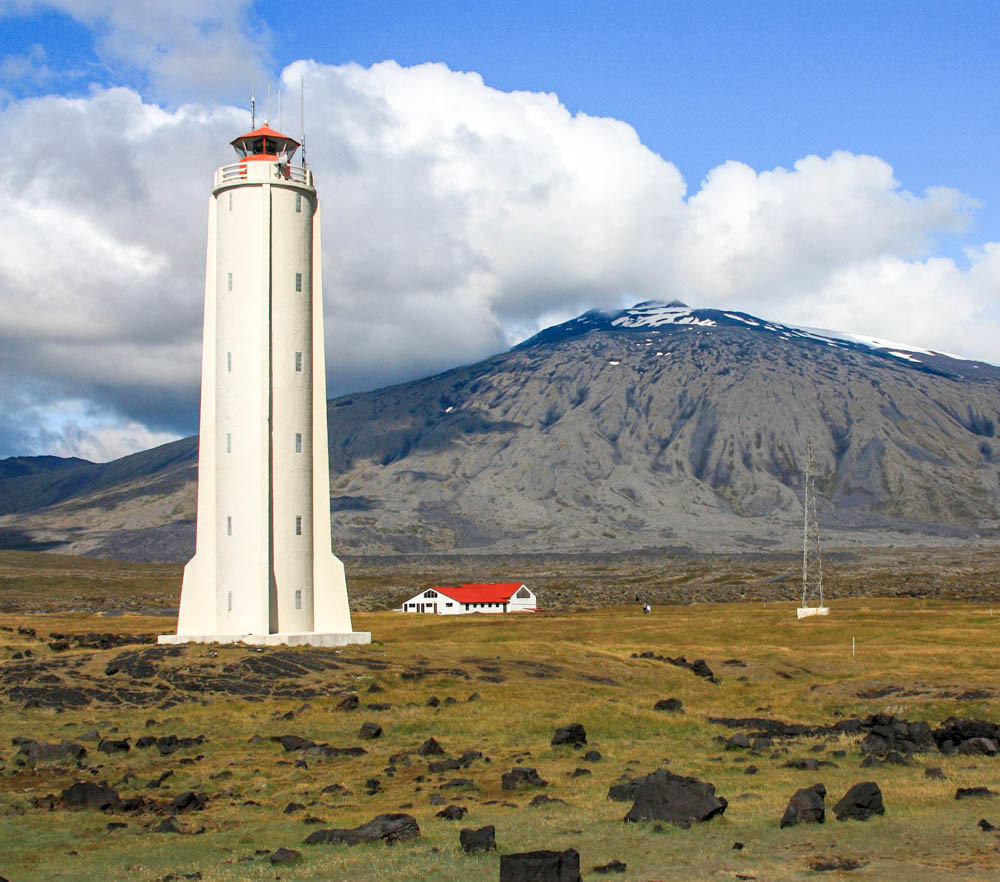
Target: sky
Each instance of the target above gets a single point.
(485, 170)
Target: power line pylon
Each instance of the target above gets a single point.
(812, 557)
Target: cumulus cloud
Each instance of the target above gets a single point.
(183, 49)
(457, 219)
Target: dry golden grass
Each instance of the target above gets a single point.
(557, 668)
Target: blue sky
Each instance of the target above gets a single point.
(823, 164)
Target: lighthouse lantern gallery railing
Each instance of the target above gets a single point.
(263, 171)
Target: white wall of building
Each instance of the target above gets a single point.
(436, 602)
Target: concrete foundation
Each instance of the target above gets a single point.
(804, 611)
(306, 638)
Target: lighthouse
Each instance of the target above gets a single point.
(264, 571)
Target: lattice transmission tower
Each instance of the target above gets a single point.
(812, 558)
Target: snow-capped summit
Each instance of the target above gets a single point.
(676, 316)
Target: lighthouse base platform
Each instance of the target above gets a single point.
(305, 638)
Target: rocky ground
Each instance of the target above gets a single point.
(702, 741)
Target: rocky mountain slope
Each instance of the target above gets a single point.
(651, 427)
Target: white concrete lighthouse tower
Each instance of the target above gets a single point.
(263, 570)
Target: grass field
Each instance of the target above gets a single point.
(532, 674)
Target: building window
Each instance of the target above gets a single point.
(298, 281)
(298, 600)
(448, 603)
(298, 202)
(298, 442)
(229, 281)
(229, 361)
(229, 601)
(229, 442)
(298, 525)
(298, 362)
(430, 593)
(229, 525)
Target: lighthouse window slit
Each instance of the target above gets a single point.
(229, 601)
(230, 200)
(229, 281)
(298, 442)
(298, 362)
(229, 525)
(229, 361)
(298, 525)
(298, 202)
(298, 281)
(298, 599)
(229, 442)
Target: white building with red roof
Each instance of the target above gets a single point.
(502, 597)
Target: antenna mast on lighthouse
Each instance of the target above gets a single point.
(253, 103)
(302, 119)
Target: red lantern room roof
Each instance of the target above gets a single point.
(264, 143)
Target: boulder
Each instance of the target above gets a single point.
(390, 828)
(541, 866)
(285, 856)
(739, 741)
(370, 730)
(860, 802)
(573, 734)
(806, 807)
(473, 841)
(167, 825)
(430, 748)
(169, 744)
(592, 756)
(670, 705)
(954, 731)
(87, 794)
(189, 801)
(968, 792)
(612, 867)
(348, 704)
(701, 668)
(978, 747)
(110, 745)
(520, 777)
(664, 796)
(39, 751)
(886, 733)
(452, 813)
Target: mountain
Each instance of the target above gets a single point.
(18, 466)
(655, 426)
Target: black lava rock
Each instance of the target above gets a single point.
(860, 802)
(806, 807)
(541, 866)
(473, 841)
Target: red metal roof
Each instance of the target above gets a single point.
(497, 593)
(265, 131)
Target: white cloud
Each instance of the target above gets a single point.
(184, 49)
(456, 218)
(76, 428)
